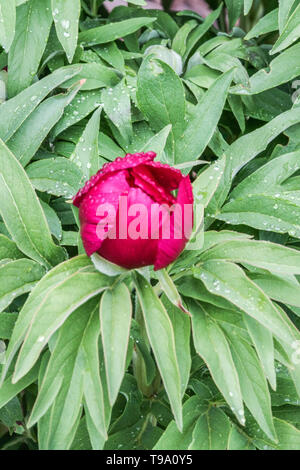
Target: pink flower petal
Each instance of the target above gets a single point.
(144, 179)
(129, 161)
(169, 248)
(91, 242)
(90, 218)
(132, 253)
(116, 182)
(165, 175)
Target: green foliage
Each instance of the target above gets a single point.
(204, 355)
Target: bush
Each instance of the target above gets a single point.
(204, 354)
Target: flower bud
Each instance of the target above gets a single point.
(130, 215)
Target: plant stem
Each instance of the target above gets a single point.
(94, 7)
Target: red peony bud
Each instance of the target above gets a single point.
(129, 215)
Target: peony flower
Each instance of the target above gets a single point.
(130, 215)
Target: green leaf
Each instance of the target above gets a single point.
(207, 182)
(230, 282)
(111, 32)
(264, 345)
(203, 120)
(244, 149)
(211, 432)
(161, 336)
(290, 32)
(270, 256)
(160, 96)
(94, 401)
(72, 373)
(279, 213)
(167, 285)
(112, 55)
(143, 361)
(226, 316)
(247, 6)
(211, 344)
(11, 413)
(196, 240)
(182, 331)
(252, 380)
(267, 24)
(266, 105)
(78, 109)
(164, 22)
(44, 424)
(157, 143)
(285, 7)
(16, 278)
(194, 288)
(271, 177)
(201, 75)
(81, 440)
(212, 238)
(65, 298)
(201, 30)
(282, 69)
(28, 138)
(164, 83)
(53, 220)
(115, 319)
(142, 435)
(23, 214)
(236, 105)
(247, 147)
(57, 176)
(225, 62)
(69, 238)
(9, 390)
(86, 155)
(108, 148)
(166, 55)
(16, 110)
(180, 39)
(7, 323)
(285, 393)
(66, 17)
(33, 24)
(130, 413)
(9, 249)
(288, 437)
(239, 441)
(235, 8)
(116, 102)
(289, 355)
(51, 284)
(7, 23)
(172, 438)
(97, 439)
(44, 429)
(284, 290)
(287, 413)
(106, 267)
(94, 76)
